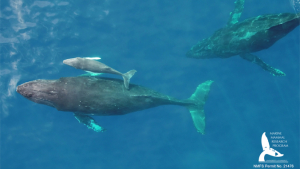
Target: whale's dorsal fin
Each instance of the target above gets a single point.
(237, 12)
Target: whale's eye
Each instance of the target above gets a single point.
(28, 95)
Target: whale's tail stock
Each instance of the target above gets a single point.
(199, 98)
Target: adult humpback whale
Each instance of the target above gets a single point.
(85, 96)
(243, 38)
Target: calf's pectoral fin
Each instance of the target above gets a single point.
(89, 73)
(259, 62)
(89, 122)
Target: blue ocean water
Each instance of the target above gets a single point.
(151, 37)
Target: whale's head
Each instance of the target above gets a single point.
(74, 62)
(202, 50)
(39, 91)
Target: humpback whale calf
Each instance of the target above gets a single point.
(86, 96)
(243, 38)
(98, 67)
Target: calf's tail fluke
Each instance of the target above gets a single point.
(127, 76)
(199, 98)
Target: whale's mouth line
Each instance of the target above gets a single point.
(43, 101)
(37, 96)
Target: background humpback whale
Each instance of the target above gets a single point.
(85, 96)
(243, 38)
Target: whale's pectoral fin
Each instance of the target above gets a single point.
(89, 73)
(259, 62)
(237, 12)
(89, 122)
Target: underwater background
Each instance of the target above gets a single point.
(151, 36)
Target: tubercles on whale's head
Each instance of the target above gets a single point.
(74, 62)
(39, 91)
(202, 50)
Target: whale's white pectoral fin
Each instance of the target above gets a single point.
(88, 73)
(259, 62)
(236, 14)
(89, 122)
(92, 58)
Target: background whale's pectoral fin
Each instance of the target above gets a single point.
(89, 122)
(237, 12)
(259, 62)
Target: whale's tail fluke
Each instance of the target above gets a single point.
(199, 98)
(127, 76)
